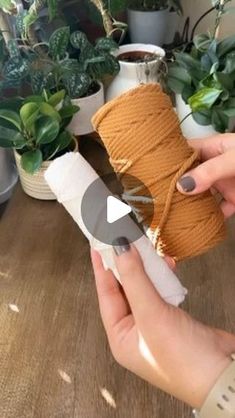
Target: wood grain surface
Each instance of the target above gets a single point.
(54, 357)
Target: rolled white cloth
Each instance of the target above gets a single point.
(69, 177)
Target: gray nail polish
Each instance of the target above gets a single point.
(121, 245)
(187, 183)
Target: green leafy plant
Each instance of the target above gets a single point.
(37, 130)
(205, 78)
(148, 5)
(77, 75)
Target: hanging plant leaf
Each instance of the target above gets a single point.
(31, 161)
(204, 99)
(46, 130)
(58, 42)
(224, 80)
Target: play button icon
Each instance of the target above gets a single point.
(116, 209)
(107, 210)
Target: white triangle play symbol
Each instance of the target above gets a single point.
(116, 209)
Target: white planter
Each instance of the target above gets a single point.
(190, 128)
(148, 27)
(8, 175)
(173, 22)
(133, 74)
(81, 122)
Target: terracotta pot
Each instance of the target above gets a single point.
(35, 185)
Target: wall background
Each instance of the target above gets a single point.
(195, 8)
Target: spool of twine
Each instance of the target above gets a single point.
(142, 135)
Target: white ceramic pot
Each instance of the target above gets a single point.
(190, 128)
(8, 175)
(133, 74)
(173, 22)
(81, 122)
(149, 27)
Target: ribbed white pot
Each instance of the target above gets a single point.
(133, 74)
(81, 122)
(8, 175)
(190, 128)
(148, 27)
(35, 185)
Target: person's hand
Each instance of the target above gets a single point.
(158, 342)
(217, 170)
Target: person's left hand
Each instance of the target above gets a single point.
(158, 342)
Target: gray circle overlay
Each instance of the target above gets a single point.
(94, 209)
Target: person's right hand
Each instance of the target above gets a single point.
(217, 170)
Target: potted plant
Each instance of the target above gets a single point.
(74, 64)
(204, 80)
(148, 20)
(37, 133)
(139, 64)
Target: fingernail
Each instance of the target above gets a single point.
(187, 183)
(121, 245)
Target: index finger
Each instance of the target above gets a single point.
(214, 145)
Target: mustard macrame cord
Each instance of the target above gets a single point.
(142, 135)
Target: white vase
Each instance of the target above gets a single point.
(81, 122)
(132, 74)
(8, 175)
(190, 128)
(149, 27)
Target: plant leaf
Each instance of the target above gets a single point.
(219, 121)
(203, 118)
(202, 42)
(79, 40)
(11, 117)
(226, 45)
(58, 42)
(11, 138)
(29, 113)
(31, 161)
(68, 111)
(57, 98)
(106, 44)
(47, 110)
(224, 79)
(204, 99)
(46, 130)
(178, 78)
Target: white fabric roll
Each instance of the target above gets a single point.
(69, 177)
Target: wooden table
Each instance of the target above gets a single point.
(54, 357)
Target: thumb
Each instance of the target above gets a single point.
(207, 174)
(140, 292)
